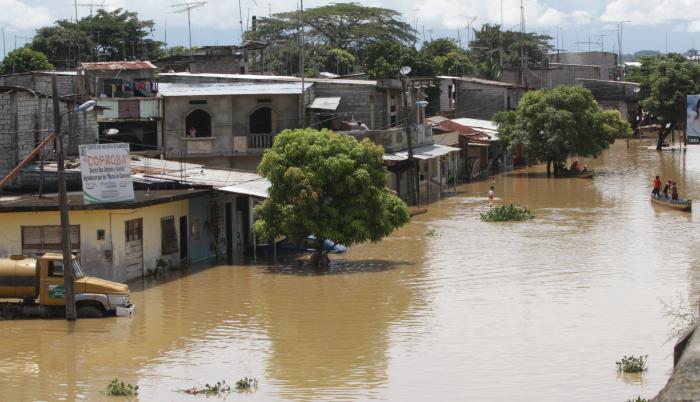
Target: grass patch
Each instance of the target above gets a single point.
(632, 364)
(119, 388)
(247, 385)
(220, 388)
(507, 213)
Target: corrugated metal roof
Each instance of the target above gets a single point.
(479, 81)
(119, 65)
(256, 188)
(189, 173)
(476, 123)
(423, 152)
(233, 88)
(330, 103)
(285, 78)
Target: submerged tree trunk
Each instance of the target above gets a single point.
(556, 168)
(663, 134)
(549, 164)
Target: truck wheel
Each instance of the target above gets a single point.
(90, 312)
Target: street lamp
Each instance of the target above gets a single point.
(63, 199)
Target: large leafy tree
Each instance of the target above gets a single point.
(665, 81)
(552, 124)
(447, 58)
(24, 59)
(385, 58)
(329, 185)
(492, 47)
(104, 36)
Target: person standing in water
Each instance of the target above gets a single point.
(492, 193)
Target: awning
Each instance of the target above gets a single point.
(423, 152)
(256, 188)
(478, 144)
(325, 103)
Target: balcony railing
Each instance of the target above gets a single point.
(260, 141)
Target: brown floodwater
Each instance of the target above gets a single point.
(447, 308)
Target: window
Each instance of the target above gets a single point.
(168, 235)
(134, 230)
(261, 121)
(56, 269)
(198, 124)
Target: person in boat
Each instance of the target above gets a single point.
(674, 191)
(667, 188)
(657, 187)
(574, 167)
(585, 169)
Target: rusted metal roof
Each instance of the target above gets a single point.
(119, 65)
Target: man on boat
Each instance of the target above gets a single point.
(657, 187)
(667, 187)
(574, 167)
(674, 192)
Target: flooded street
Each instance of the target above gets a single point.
(447, 308)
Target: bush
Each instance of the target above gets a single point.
(246, 384)
(119, 388)
(638, 399)
(507, 213)
(217, 389)
(632, 364)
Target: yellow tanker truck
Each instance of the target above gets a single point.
(34, 287)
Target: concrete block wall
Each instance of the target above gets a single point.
(479, 101)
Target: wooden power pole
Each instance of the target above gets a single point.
(63, 207)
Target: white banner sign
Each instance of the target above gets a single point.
(106, 171)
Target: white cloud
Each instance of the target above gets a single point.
(18, 15)
(654, 12)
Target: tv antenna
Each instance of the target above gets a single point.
(91, 5)
(185, 8)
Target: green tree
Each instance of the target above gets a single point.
(339, 61)
(552, 124)
(105, 36)
(446, 57)
(492, 45)
(329, 185)
(665, 81)
(23, 59)
(385, 58)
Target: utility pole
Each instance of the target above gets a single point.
(523, 59)
(63, 207)
(185, 8)
(413, 194)
(302, 67)
(75, 3)
(240, 18)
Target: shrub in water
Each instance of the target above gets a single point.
(638, 399)
(217, 389)
(246, 384)
(119, 388)
(507, 213)
(632, 364)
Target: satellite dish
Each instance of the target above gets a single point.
(110, 131)
(405, 70)
(636, 90)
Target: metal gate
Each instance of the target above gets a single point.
(134, 248)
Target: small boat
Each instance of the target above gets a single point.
(678, 205)
(580, 175)
(417, 211)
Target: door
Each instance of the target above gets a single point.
(134, 248)
(229, 232)
(53, 291)
(183, 239)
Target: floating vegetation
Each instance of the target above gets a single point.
(632, 364)
(431, 233)
(247, 385)
(220, 388)
(119, 388)
(638, 399)
(507, 213)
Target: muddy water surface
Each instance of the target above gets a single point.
(447, 308)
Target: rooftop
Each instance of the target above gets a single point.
(252, 77)
(478, 81)
(49, 202)
(118, 65)
(233, 88)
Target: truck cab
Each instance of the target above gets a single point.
(40, 285)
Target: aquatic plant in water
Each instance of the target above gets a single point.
(632, 364)
(638, 399)
(119, 388)
(507, 213)
(246, 384)
(219, 388)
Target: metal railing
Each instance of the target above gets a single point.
(260, 141)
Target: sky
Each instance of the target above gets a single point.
(576, 25)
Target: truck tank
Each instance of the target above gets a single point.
(18, 278)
